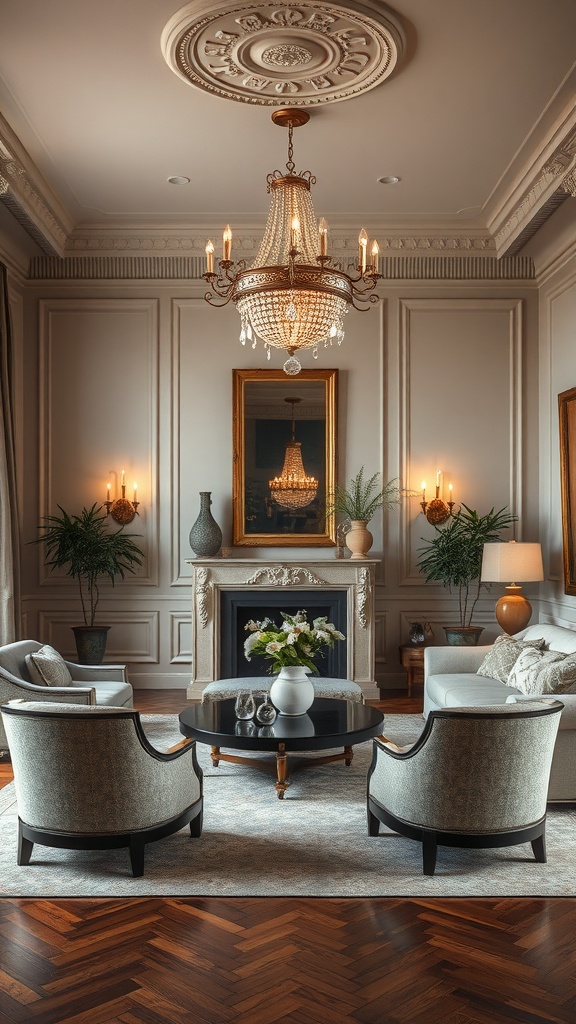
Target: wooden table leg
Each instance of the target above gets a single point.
(281, 770)
(348, 755)
(215, 755)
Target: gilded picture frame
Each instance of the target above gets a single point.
(567, 423)
(266, 405)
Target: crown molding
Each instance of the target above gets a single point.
(534, 186)
(415, 266)
(28, 197)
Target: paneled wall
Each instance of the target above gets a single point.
(138, 375)
(557, 305)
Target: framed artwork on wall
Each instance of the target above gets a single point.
(284, 458)
(567, 413)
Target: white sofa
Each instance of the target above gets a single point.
(451, 681)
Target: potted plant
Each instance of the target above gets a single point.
(290, 649)
(89, 551)
(453, 557)
(357, 503)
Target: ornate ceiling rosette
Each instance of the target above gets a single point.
(266, 53)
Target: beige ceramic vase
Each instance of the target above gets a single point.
(359, 539)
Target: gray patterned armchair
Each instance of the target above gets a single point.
(476, 777)
(90, 684)
(87, 778)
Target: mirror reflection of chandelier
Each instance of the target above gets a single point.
(293, 296)
(293, 489)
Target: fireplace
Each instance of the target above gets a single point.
(342, 589)
(237, 607)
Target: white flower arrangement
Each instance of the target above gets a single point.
(294, 642)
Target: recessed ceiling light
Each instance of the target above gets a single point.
(389, 179)
(179, 179)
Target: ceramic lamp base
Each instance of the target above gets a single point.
(513, 610)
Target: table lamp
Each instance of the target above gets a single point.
(519, 562)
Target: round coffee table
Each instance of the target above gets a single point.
(329, 723)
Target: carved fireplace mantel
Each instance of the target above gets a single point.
(211, 576)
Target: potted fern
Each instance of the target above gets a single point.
(357, 503)
(89, 552)
(453, 557)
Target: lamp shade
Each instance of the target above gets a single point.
(512, 562)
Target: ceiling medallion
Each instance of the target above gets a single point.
(311, 52)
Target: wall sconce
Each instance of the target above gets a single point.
(122, 509)
(436, 511)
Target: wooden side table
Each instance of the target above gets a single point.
(412, 659)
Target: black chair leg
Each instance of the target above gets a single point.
(196, 826)
(429, 847)
(539, 848)
(25, 847)
(136, 847)
(373, 824)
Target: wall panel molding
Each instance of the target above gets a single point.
(52, 315)
(459, 375)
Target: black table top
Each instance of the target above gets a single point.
(328, 723)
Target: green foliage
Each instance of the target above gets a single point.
(454, 556)
(88, 551)
(362, 498)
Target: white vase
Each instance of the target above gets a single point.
(359, 539)
(292, 692)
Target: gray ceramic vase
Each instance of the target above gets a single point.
(205, 535)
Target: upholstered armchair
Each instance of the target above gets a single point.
(87, 778)
(476, 777)
(84, 684)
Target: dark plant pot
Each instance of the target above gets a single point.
(463, 636)
(90, 643)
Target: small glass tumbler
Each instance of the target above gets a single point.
(245, 705)
(266, 712)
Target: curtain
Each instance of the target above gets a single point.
(9, 532)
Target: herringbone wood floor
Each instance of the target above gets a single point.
(306, 961)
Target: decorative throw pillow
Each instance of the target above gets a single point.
(48, 668)
(538, 672)
(501, 658)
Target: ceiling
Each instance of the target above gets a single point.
(480, 105)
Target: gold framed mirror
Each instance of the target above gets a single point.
(284, 458)
(567, 413)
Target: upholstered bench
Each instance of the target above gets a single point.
(340, 689)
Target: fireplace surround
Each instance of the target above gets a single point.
(343, 586)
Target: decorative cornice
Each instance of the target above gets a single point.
(25, 197)
(541, 191)
(193, 244)
(449, 267)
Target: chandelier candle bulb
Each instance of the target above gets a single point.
(423, 490)
(323, 232)
(123, 479)
(227, 242)
(135, 493)
(362, 247)
(210, 257)
(375, 255)
(294, 228)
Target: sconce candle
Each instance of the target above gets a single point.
(437, 510)
(122, 509)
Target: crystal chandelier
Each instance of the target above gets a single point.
(294, 295)
(293, 489)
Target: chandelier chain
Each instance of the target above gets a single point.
(290, 165)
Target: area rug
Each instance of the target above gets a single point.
(312, 843)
